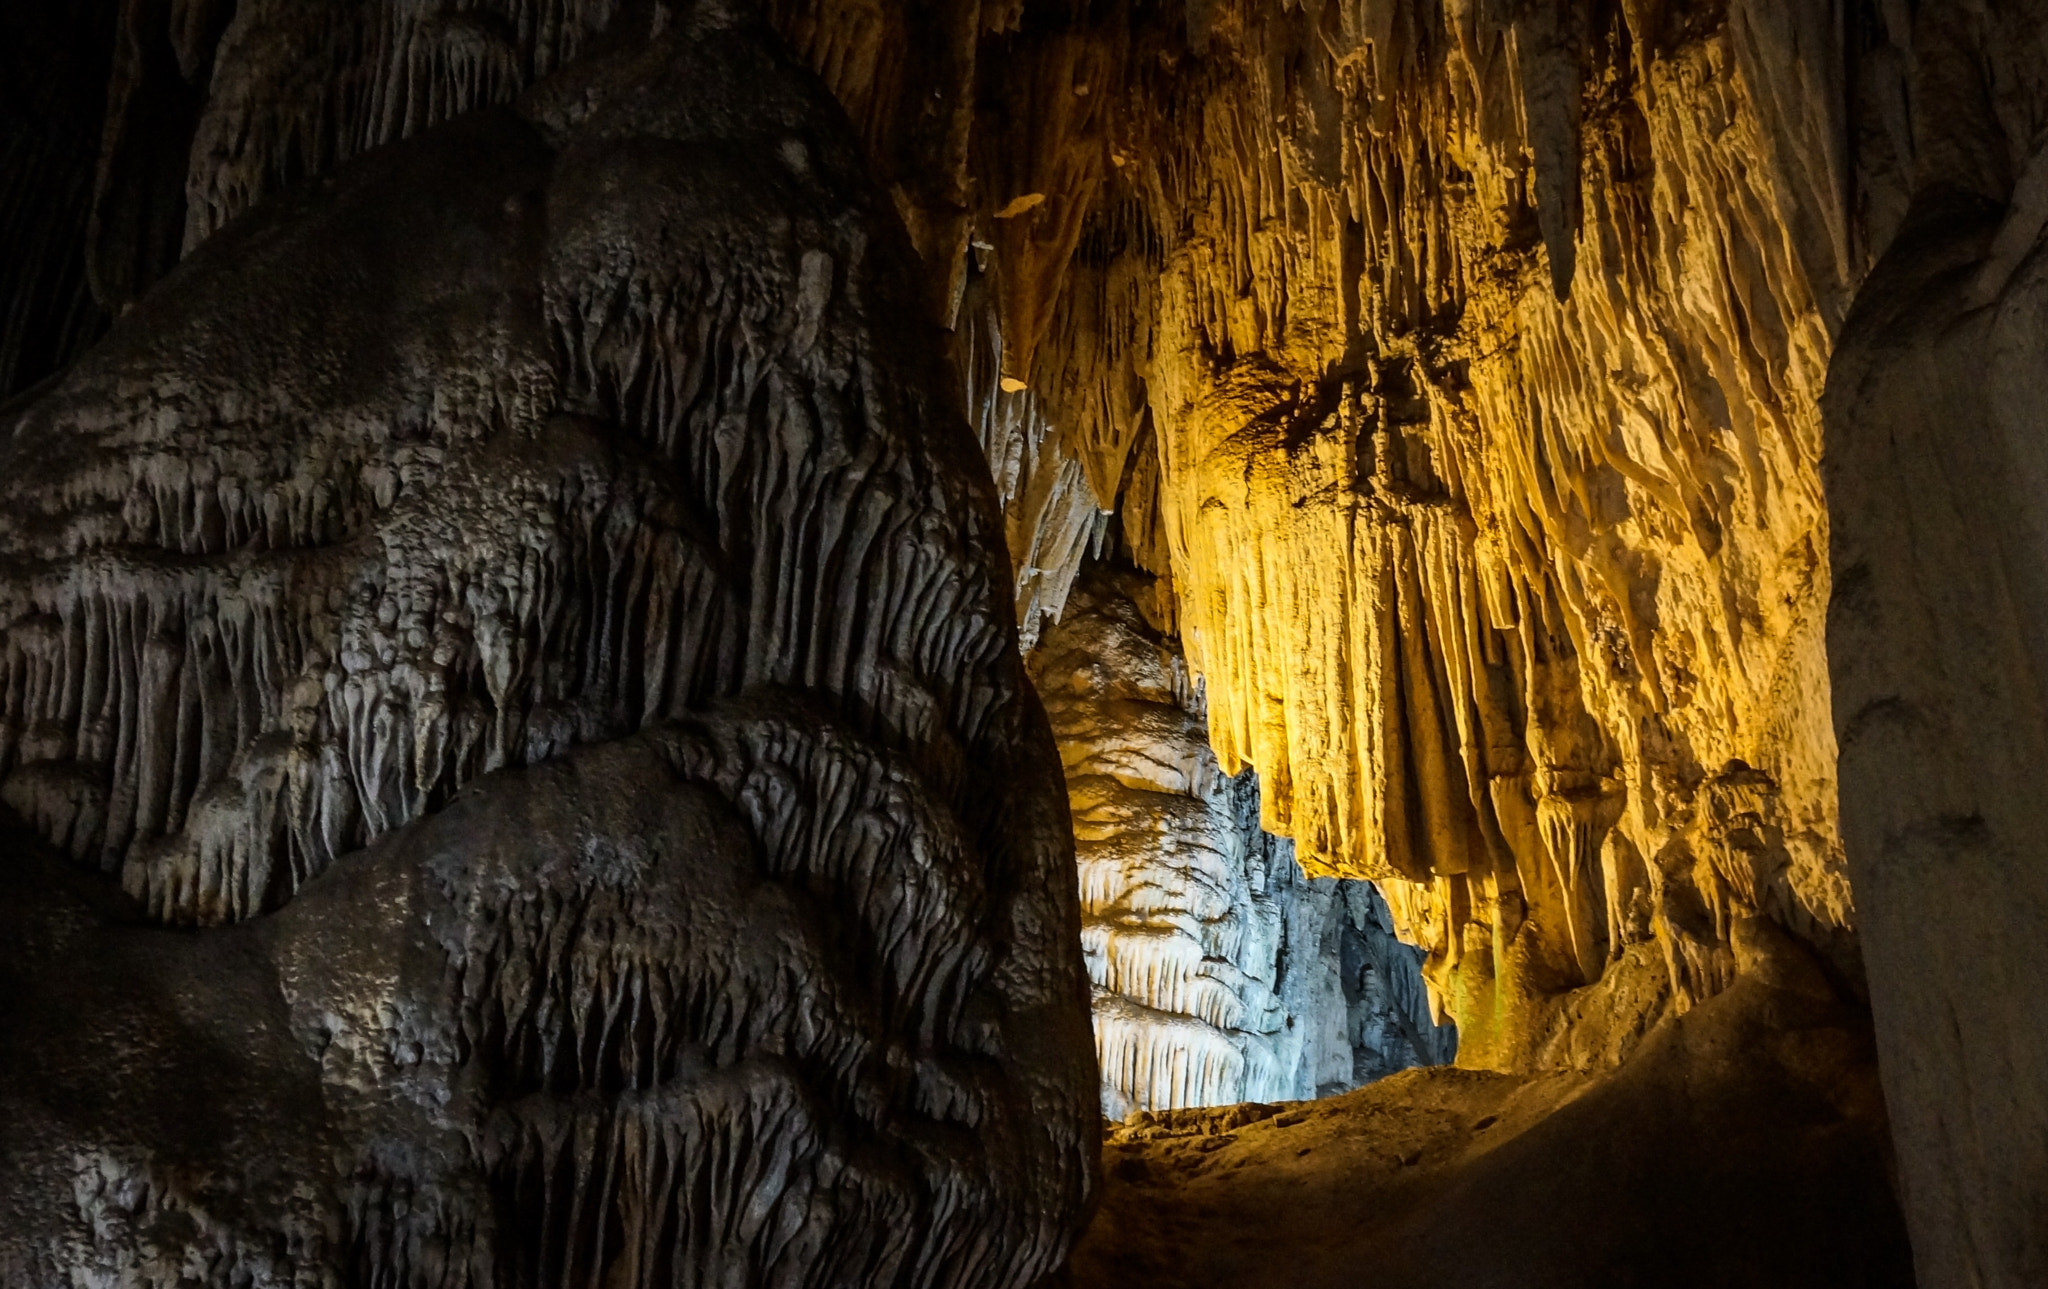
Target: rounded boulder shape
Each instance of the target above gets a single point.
(518, 767)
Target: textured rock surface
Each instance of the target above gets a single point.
(1743, 1146)
(542, 570)
(1459, 362)
(1481, 348)
(1221, 973)
(1514, 601)
(1936, 634)
(1051, 518)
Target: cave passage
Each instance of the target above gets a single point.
(1023, 644)
(1220, 972)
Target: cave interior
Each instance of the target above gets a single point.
(1030, 644)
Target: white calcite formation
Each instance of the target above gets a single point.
(528, 611)
(1221, 973)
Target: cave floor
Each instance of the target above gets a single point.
(1745, 1144)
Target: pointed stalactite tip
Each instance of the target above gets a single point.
(1563, 254)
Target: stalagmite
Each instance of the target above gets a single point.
(535, 586)
(478, 472)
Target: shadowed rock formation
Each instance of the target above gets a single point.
(55, 61)
(1935, 635)
(536, 583)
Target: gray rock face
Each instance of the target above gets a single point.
(1355, 1003)
(1936, 645)
(1221, 973)
(529, 603)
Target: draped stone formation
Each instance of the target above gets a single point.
(1481, 349)
(1478, 352)
(530, 601)
(1221, 973)
(1050, 515)
(1584, 450)
(1487, 473)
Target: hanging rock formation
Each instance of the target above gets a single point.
(1221, 973)
(1487, 474)
(1050, 515)
(1585, 448)
(534, 585)
(1479, 352)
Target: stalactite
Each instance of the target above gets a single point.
(1051, 514)
(1480, 359)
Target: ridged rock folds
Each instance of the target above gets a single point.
(535, 586)
(1221, 974)
(1480, 356)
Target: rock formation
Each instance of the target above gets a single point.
(1480, 351)
(1585, 451)
(1935, 642)
(1504, 567)
(531, 600)
(1221, 973)
(1731, 1150)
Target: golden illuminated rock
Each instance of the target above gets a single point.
(1485, 464)
(1454, 367)
(1481, 348)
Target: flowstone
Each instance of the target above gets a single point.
(528, 607)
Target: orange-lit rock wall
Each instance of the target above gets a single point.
(1482, 343)
(1515, 601)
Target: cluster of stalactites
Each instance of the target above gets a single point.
(1051, 515)
(1479, 352)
